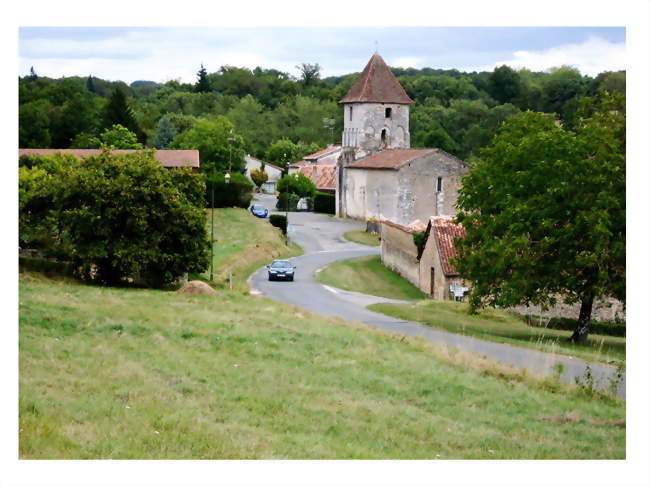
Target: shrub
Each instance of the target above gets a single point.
(259, 177)
(282, 202)
(237, 193)
(123, 216)
(297, 184)
(279, 221)
(418, 240)
(325, 203)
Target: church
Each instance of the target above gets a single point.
(379, 175)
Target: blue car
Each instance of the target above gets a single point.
(281, 269)
(259, 211)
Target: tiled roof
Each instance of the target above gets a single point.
(298, 164)
(389, 158)
(378, 84)
(417, 226)
(324, 176)
(167, 158)
(445, 231)
(322, 153)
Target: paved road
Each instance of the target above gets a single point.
(321, 237)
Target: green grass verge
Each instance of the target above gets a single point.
(501, 326)
(139, 374)
(362, 237)
(243, 243)
(369, 276)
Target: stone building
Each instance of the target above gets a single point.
(430, 267)
(379, 175)
(320, 167)
(402, 185)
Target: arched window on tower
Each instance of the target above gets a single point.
(350, 113)
(384, 138)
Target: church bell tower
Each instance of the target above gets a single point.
(375, 113)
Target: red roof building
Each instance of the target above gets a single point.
(376, 84)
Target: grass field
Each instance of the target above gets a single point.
(147, 374)
(243, 243)
(132, 373)
(501, 326)
(362, 237)
(367, 275)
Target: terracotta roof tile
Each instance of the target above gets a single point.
(324, 176)
(378, 84)
(167, 158)
(389, 158)
(445, 231)
(322, 153)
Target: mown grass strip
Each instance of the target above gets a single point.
(369, 276)
(504, 327)
(363, 238)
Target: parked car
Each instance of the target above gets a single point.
(259, 211)
(281, 269)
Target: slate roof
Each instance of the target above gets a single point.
(323, 176)
(167, 158)
(445, 231)
(389, 159)
(377, 84)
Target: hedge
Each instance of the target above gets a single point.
(324, 203)
(279, 221)
(237, 193)
(282, 202)
(569, 324)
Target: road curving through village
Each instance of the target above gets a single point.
(321, 238)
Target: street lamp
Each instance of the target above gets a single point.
(212, 222)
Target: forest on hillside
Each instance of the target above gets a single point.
(280, 118)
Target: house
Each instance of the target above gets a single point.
(379, 174)
(274, 172)
(167, 158)
(428, 267)
(320, 167)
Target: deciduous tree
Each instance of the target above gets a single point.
(544, 211)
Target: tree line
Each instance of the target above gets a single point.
(280, 118)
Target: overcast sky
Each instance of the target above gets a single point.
(164, 53)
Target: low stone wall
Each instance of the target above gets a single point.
(611, 310)
(399, 253)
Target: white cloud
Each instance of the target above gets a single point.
(591, 57)
(406, 62)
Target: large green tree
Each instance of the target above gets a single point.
(202, 84)
(121, 216)
(119, 112)
(218, 146)
(544, 211)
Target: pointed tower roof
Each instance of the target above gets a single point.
(376, 84)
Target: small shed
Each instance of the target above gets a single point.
(438, 276)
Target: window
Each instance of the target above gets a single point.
(350, 114)
(439, 186)
(384, 138)
(389, 112)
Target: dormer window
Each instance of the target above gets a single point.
(389, 112)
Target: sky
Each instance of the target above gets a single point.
(164, 53)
